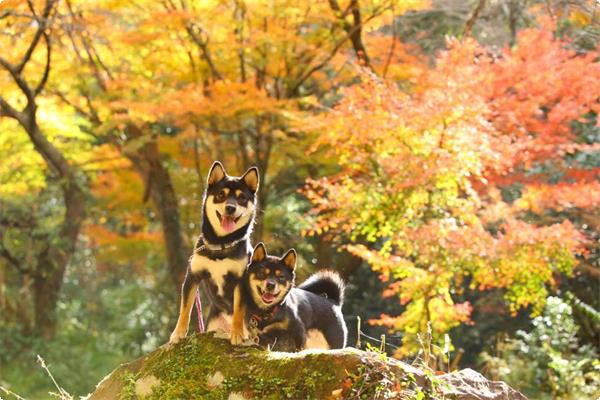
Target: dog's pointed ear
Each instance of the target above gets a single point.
(289, 259)
(251, 178)
(259, 253)
(217, 172)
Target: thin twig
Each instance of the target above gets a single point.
(11, 393)
(473, 18)
(393, 46)
(42, 25)
(63, 394)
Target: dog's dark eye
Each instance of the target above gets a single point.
(242, 197)
(281, 279)
(261, 275)
(220, 196)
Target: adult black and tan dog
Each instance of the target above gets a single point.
(222, 251)
(291, 318)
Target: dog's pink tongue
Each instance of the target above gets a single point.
(268, 297)
(227, 223)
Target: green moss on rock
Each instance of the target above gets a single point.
(205, 367)
(185, 369)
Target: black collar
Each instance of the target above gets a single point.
(202, 244)
(235, 249)
(266, 315)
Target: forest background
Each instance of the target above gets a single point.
(442, 155)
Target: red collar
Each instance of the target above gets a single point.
(267, 316)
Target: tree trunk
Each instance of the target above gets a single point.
(46, 289)
(53, 261)
(165, 200)
(159, 188)
(353, 30)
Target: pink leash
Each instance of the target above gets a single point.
(199, 312)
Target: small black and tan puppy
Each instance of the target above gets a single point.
(222, 251)
(290, 318)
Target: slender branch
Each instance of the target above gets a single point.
(11, 13)
(199, 174)
(473, 18)
(7, 110)
(89, 45)
(356, 36)
(93, 59)
(195, 33)
(239, 16)
(95, 117)
(514, 13)
(12, 260)
(42, 24)
(16, 70)
(16, 75)
(44, 79)
(92, 63)
(101, 160)
(68, 102)
(353, 30)
(393, 46)
(551, 13)
(307, 73)
(7, 255)
(32, 8)
(24, 221)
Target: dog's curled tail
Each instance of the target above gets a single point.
(328, 283)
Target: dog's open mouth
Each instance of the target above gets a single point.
(267, 297)
(227, 222)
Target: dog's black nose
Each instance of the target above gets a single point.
(270, 286)
(230, 209)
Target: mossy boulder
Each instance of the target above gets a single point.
(206, 367)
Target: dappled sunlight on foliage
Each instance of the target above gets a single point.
(548, 360)
(417, 176)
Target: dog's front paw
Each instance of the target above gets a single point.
(176, 336)
(237, 338)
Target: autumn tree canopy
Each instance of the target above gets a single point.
(421, 194)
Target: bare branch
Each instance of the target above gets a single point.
(42, 25)
(68, 102)
(353, 30)
(393, 46)
(44, 79)
(11, 13)
(88, 43)
(32, 8)
(9, 111)
(16, 70)
(9, 257)
(239, 14)
(16, 75)
(195, 31)
(23, 221)
(197, 168)
(101, 160)
(12, 260)
(473, 18)
(308, 72)
(93, 59)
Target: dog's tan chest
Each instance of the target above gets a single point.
(218, 269)
(316, 340)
